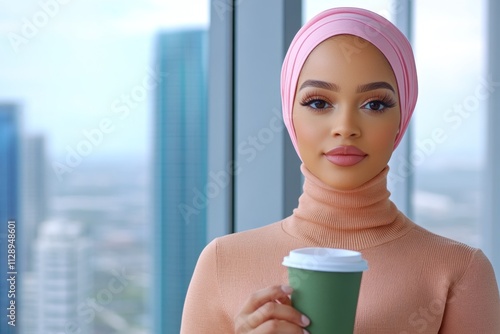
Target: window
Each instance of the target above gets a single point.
(83, 79)
(450, 129)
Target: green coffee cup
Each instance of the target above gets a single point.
(326, 284)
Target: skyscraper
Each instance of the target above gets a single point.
(28, 320)
(9, 210)
(180, 170)
(62, 278)
(34, 193)
(33, 211)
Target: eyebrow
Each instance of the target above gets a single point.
(374, 85)
(320, 84)
(361, 88)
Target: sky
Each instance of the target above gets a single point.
(69, 63)
(71, 69)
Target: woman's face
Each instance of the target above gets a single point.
(346, 112)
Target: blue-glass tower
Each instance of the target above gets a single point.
(180, 170)
(9, 210)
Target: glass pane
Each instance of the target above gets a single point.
(79, 85)
(449, 141)
(386, 8)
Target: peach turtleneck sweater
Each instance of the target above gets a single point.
(417, 282)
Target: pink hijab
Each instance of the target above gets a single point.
(362, 23)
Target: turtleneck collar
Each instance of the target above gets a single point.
(354, 219)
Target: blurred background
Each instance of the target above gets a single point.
(105, 149)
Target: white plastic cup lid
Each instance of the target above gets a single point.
(326, 259)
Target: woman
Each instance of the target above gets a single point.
(349, 87)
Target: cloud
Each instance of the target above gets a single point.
(91, 19)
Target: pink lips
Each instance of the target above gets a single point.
(345, 156)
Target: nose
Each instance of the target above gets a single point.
(345, 123)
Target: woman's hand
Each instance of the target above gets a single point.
(270, 311)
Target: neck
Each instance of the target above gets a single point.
(353, 219)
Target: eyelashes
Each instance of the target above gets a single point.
(376, 103)
(315, 103)
(311, 99)
(384, 101)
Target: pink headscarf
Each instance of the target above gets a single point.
(362, 23)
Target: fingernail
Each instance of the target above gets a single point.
(305, 320)
(287, 289)
(306, 332)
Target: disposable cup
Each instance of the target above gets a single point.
(326, 283)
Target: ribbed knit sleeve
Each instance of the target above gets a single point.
(203, 309)
(473, 305)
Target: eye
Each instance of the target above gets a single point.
(316, 104)
(375, 105)
(379, 104)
